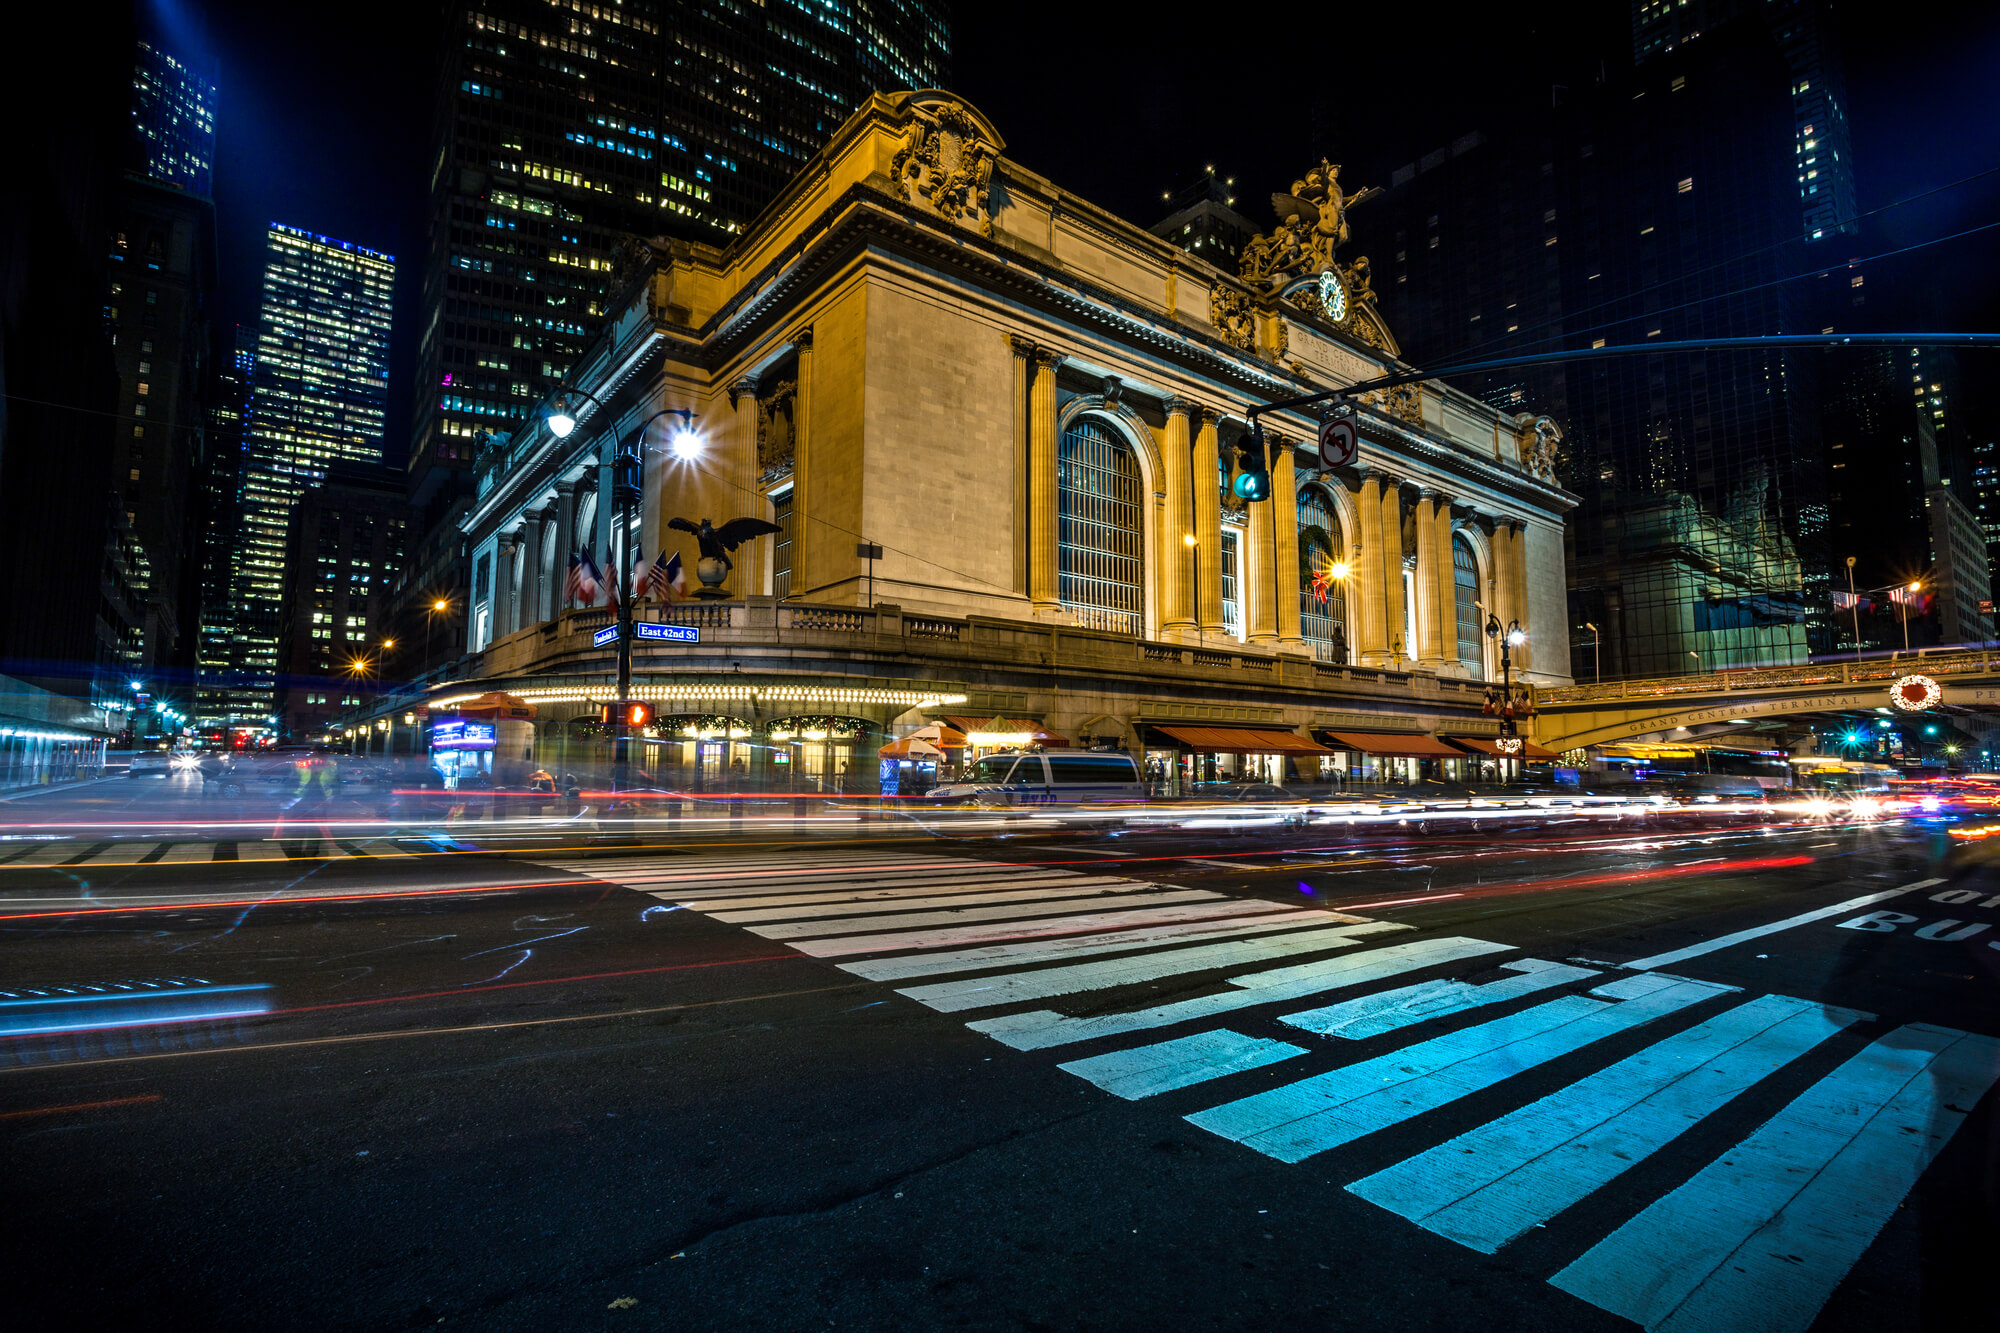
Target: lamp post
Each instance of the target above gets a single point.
(431, 613)
(1509, 743)
(1854, 605)
(1596, 654)
(627, 485)
(1915, 586)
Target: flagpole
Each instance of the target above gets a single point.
(1854, 605)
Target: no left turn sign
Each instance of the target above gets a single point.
(1337, 442)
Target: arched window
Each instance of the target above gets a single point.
(1322, 600)
(1465, 584)
(1097, 534)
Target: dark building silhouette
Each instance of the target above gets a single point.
(559, 128)
(346, 539)
(1658, 205)
(1203, 219)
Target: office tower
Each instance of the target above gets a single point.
(343, 546)
(217, 691)
(1803, 31)
(1202, 218)
(561, 127)
(318, 390)
(161, 272)
(173, 117)
(1655, 207)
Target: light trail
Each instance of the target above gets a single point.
(401, 1033)
(1600, 881)
(105, 1105)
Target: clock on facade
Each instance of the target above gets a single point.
(1333, 296)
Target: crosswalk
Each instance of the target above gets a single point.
(1391, 1032)
(63, 853)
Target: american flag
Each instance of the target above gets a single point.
(610, 577)
(666, 580)
(581, 585)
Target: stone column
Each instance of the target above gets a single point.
(607, 513)
(1208, 526)
(1430, 608)
(1518, 564)
(753, 558)
(1023, 364)
(1257, 568)
(531, 570)
(807, 568)
(1500, 587)
(1392, 580)
(1445, 584)
(565, 543)
(1285, 523)
(1043, 585)
(1176, 574)
(1371, 633)
(506, 608)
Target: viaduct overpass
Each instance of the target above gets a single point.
(1573, 716)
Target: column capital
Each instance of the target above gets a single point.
(1433, 494)
(1048, 358)
(1025, 348)
(802, 341)
(1209, 415)
(565, 488)
(746, 386)
(1179, 406)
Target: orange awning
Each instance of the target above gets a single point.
(496, 704)
(1390, 745)
(1484, 745)
(1241, 740)
(1037, 733)
(926, 746)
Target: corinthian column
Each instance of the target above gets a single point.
(1285, 522)
(807, 567)
(753, 558)
(1430, 607)
(1208, 526)
(1518, 544)
(1176, 556)
(1395, 622)
(1371, 632)
(1043, 585)
(1444, 581)
(1258, 561)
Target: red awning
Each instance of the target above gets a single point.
(1484, 745)
(1241, 740)
(1038, 734)
(1390, 745)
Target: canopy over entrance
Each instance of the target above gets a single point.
(987, 733)
(1487, 746)
(1389, 745)
(924, 743)
(1240, 740)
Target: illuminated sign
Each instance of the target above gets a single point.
(672, 633)
(454, 733)
(603, 636)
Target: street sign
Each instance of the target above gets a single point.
(604, 636)
(1337, 442)
(671, 633)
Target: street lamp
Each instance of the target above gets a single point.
(1509, 742)
(1596, 655)
(1916, 586)
(627, 485)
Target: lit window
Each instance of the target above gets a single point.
(1687, 184)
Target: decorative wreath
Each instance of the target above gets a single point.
(1914, 694)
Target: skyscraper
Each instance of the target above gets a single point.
(561, 126)
(318, 391)
(173, 116)
(162, 272)
(1659, 206)
(1804, 33)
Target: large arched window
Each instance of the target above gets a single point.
(1098, 535)
(1465, 585)
(1322, 600)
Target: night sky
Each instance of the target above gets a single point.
(327, 125)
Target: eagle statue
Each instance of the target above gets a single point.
(716, 543)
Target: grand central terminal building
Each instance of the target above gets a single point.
(996, 430)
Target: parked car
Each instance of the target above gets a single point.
(1044, 777)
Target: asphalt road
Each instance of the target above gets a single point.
(633, 1087)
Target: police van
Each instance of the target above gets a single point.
(1044, 777)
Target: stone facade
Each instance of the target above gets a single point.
(917, 346)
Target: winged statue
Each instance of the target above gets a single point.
(1312, 224)
(716, 543)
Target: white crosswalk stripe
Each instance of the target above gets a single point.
(1758, 1238)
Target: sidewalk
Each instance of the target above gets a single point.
(23, 793)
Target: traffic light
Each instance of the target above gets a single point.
(629, 713)
(1253, 476)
